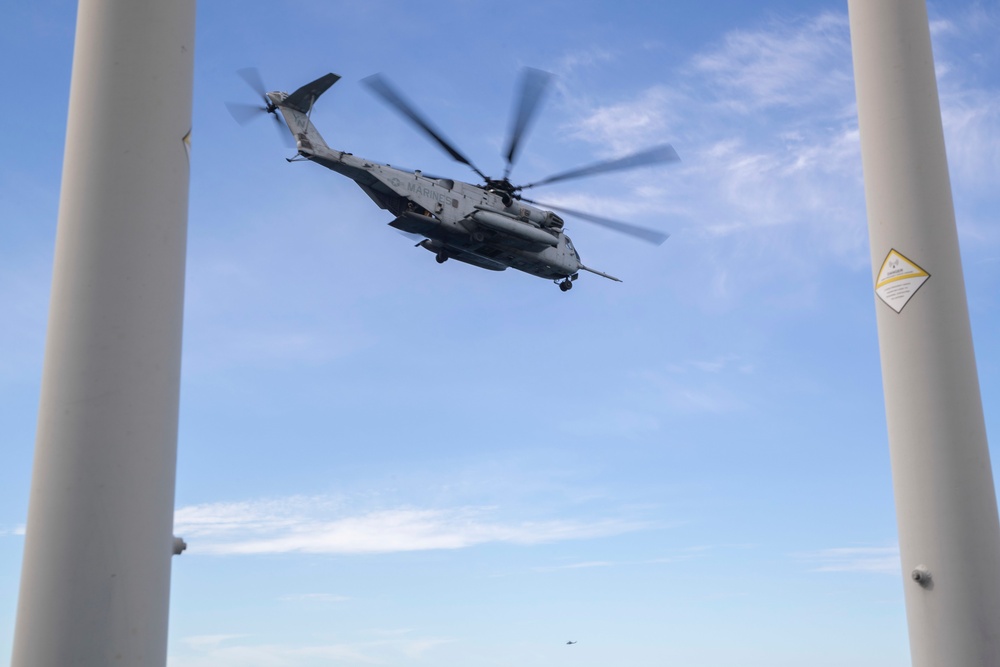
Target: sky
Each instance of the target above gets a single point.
(386, 461)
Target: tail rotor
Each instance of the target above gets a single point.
(244, 113)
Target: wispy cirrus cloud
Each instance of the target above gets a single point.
(679, 555)
(574, 60)
(765, 125)
(770, 184)
(727, 363)
(877, 560)
(712, 386)
(629, 125)
(316, 525)
(16, 531)
(226, 650)
(201, 641)
(786, 63)
(248, 654)
(316, 597)
(765, 122)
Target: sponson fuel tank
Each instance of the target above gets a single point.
(514, 227)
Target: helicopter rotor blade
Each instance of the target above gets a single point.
(650, 156)
(642, 233)
(243, 113)
(286, 136)
(534, 83)
(253, 79)
(381, 87)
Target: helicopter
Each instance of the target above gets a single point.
(493, 225)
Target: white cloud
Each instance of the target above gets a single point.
(243, 651)
(680, 555)
(205, 641)
(787, 63)
(570, 62)
(972, 137)
(713, 401)
(976, 19)
(765, 124)
(878, 560)
(270, 655)
(315, 597)
(585, 565)
(632, 125)
(962, 51)
(317, 525)
(942, 27)
(417, 648)
(721, 364)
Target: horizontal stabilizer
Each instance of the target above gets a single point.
(303, 98)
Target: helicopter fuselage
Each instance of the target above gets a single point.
(460, 220)
(485, 226)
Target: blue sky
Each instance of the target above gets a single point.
(386, 461)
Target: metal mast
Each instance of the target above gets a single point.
(946, 507)
(95, 582)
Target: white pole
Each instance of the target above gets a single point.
(95, 582)
(949, 536)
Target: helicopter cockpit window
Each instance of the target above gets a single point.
(446, 183)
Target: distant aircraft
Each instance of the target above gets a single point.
(570, 642)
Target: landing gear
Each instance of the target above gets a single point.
(441, 258)
(567, 283)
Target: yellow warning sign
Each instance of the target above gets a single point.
(898, 280)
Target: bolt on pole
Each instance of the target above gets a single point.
(946, 509)
(95, 582)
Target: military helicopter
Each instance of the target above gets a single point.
(491, 226)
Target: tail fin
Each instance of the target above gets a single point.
(296, 109)
(303, 99)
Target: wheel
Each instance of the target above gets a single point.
(441, 258)
(565, 286)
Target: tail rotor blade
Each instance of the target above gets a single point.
(243, 113)
(283, 131)
(253, 79)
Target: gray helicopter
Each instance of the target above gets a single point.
(492, 226)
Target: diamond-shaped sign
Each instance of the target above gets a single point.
(898, 280)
